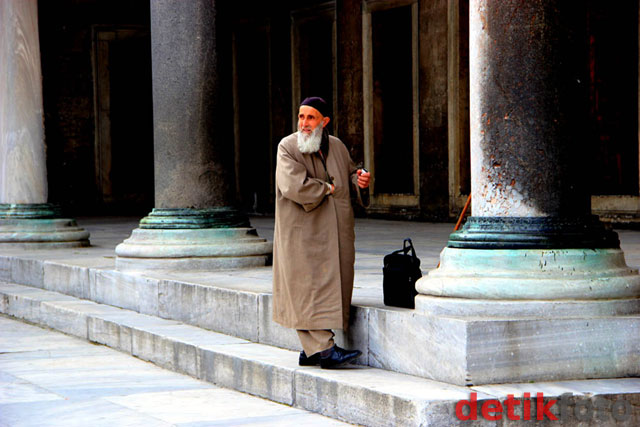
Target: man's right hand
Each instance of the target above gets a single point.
(363, 178)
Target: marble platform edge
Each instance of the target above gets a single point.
(446, 349)
(360, 395)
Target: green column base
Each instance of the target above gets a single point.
(29, 211)
(42, 233)
(38, 226)
(533, 233)
(167, 219)
(193, 239)
(518, 315)
(530, 282)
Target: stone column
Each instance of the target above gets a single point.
(26, 219)
(195, 224)
(532, 249)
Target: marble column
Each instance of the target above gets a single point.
(531, 249)
(195, 224)
(26, 219)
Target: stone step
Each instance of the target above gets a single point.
(361, 395)
(358, 395)
(237, 303)
(462, 351)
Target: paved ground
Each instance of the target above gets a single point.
(51, 379)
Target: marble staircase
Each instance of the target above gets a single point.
(217, 327)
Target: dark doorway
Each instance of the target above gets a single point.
(613, 96)
(124, 143)
(252, 100)
(315, 60)
(392, 64)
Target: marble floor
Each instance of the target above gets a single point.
(51, 379)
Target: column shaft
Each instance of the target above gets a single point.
(193, 147)
(531, 260)
(26, 219)
(195, 224)
(23, 173)
(528, 68)
(528, 102)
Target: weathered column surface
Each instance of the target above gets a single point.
(528, 108)
(195, 224)
(532, 251)
(26, 219)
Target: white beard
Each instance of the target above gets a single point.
(310, 143)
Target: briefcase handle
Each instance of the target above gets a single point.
(408, 245)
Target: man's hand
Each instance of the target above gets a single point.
(363, 178)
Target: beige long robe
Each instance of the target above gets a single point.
(313, 242)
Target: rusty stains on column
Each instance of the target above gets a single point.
(528, 110)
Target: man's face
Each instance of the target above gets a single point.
(309, 118)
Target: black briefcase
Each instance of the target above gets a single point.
(400, 271)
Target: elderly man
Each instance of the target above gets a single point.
(313, 243)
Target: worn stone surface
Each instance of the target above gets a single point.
(5, 268)
(64, 277)
(527, 309)
(429, 347)
(42, 233)
(110, 333)
(396, 339)
(532, 274)
(129, 291)
(47, 378)
(385, 343)
(27, 271)
(357, 336)
(359, 395)
(194, 249)
(559, 349)
(23, 302)
(272, 333)
(217, 309)
(373, 397)
(188, 264)
(196, 243)
(162, 351)
(252, 368)
(528, 89)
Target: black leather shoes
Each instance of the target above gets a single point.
(312, 360)
(336, 357)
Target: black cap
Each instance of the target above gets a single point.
(317, 103)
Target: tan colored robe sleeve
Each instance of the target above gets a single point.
(295, 184)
